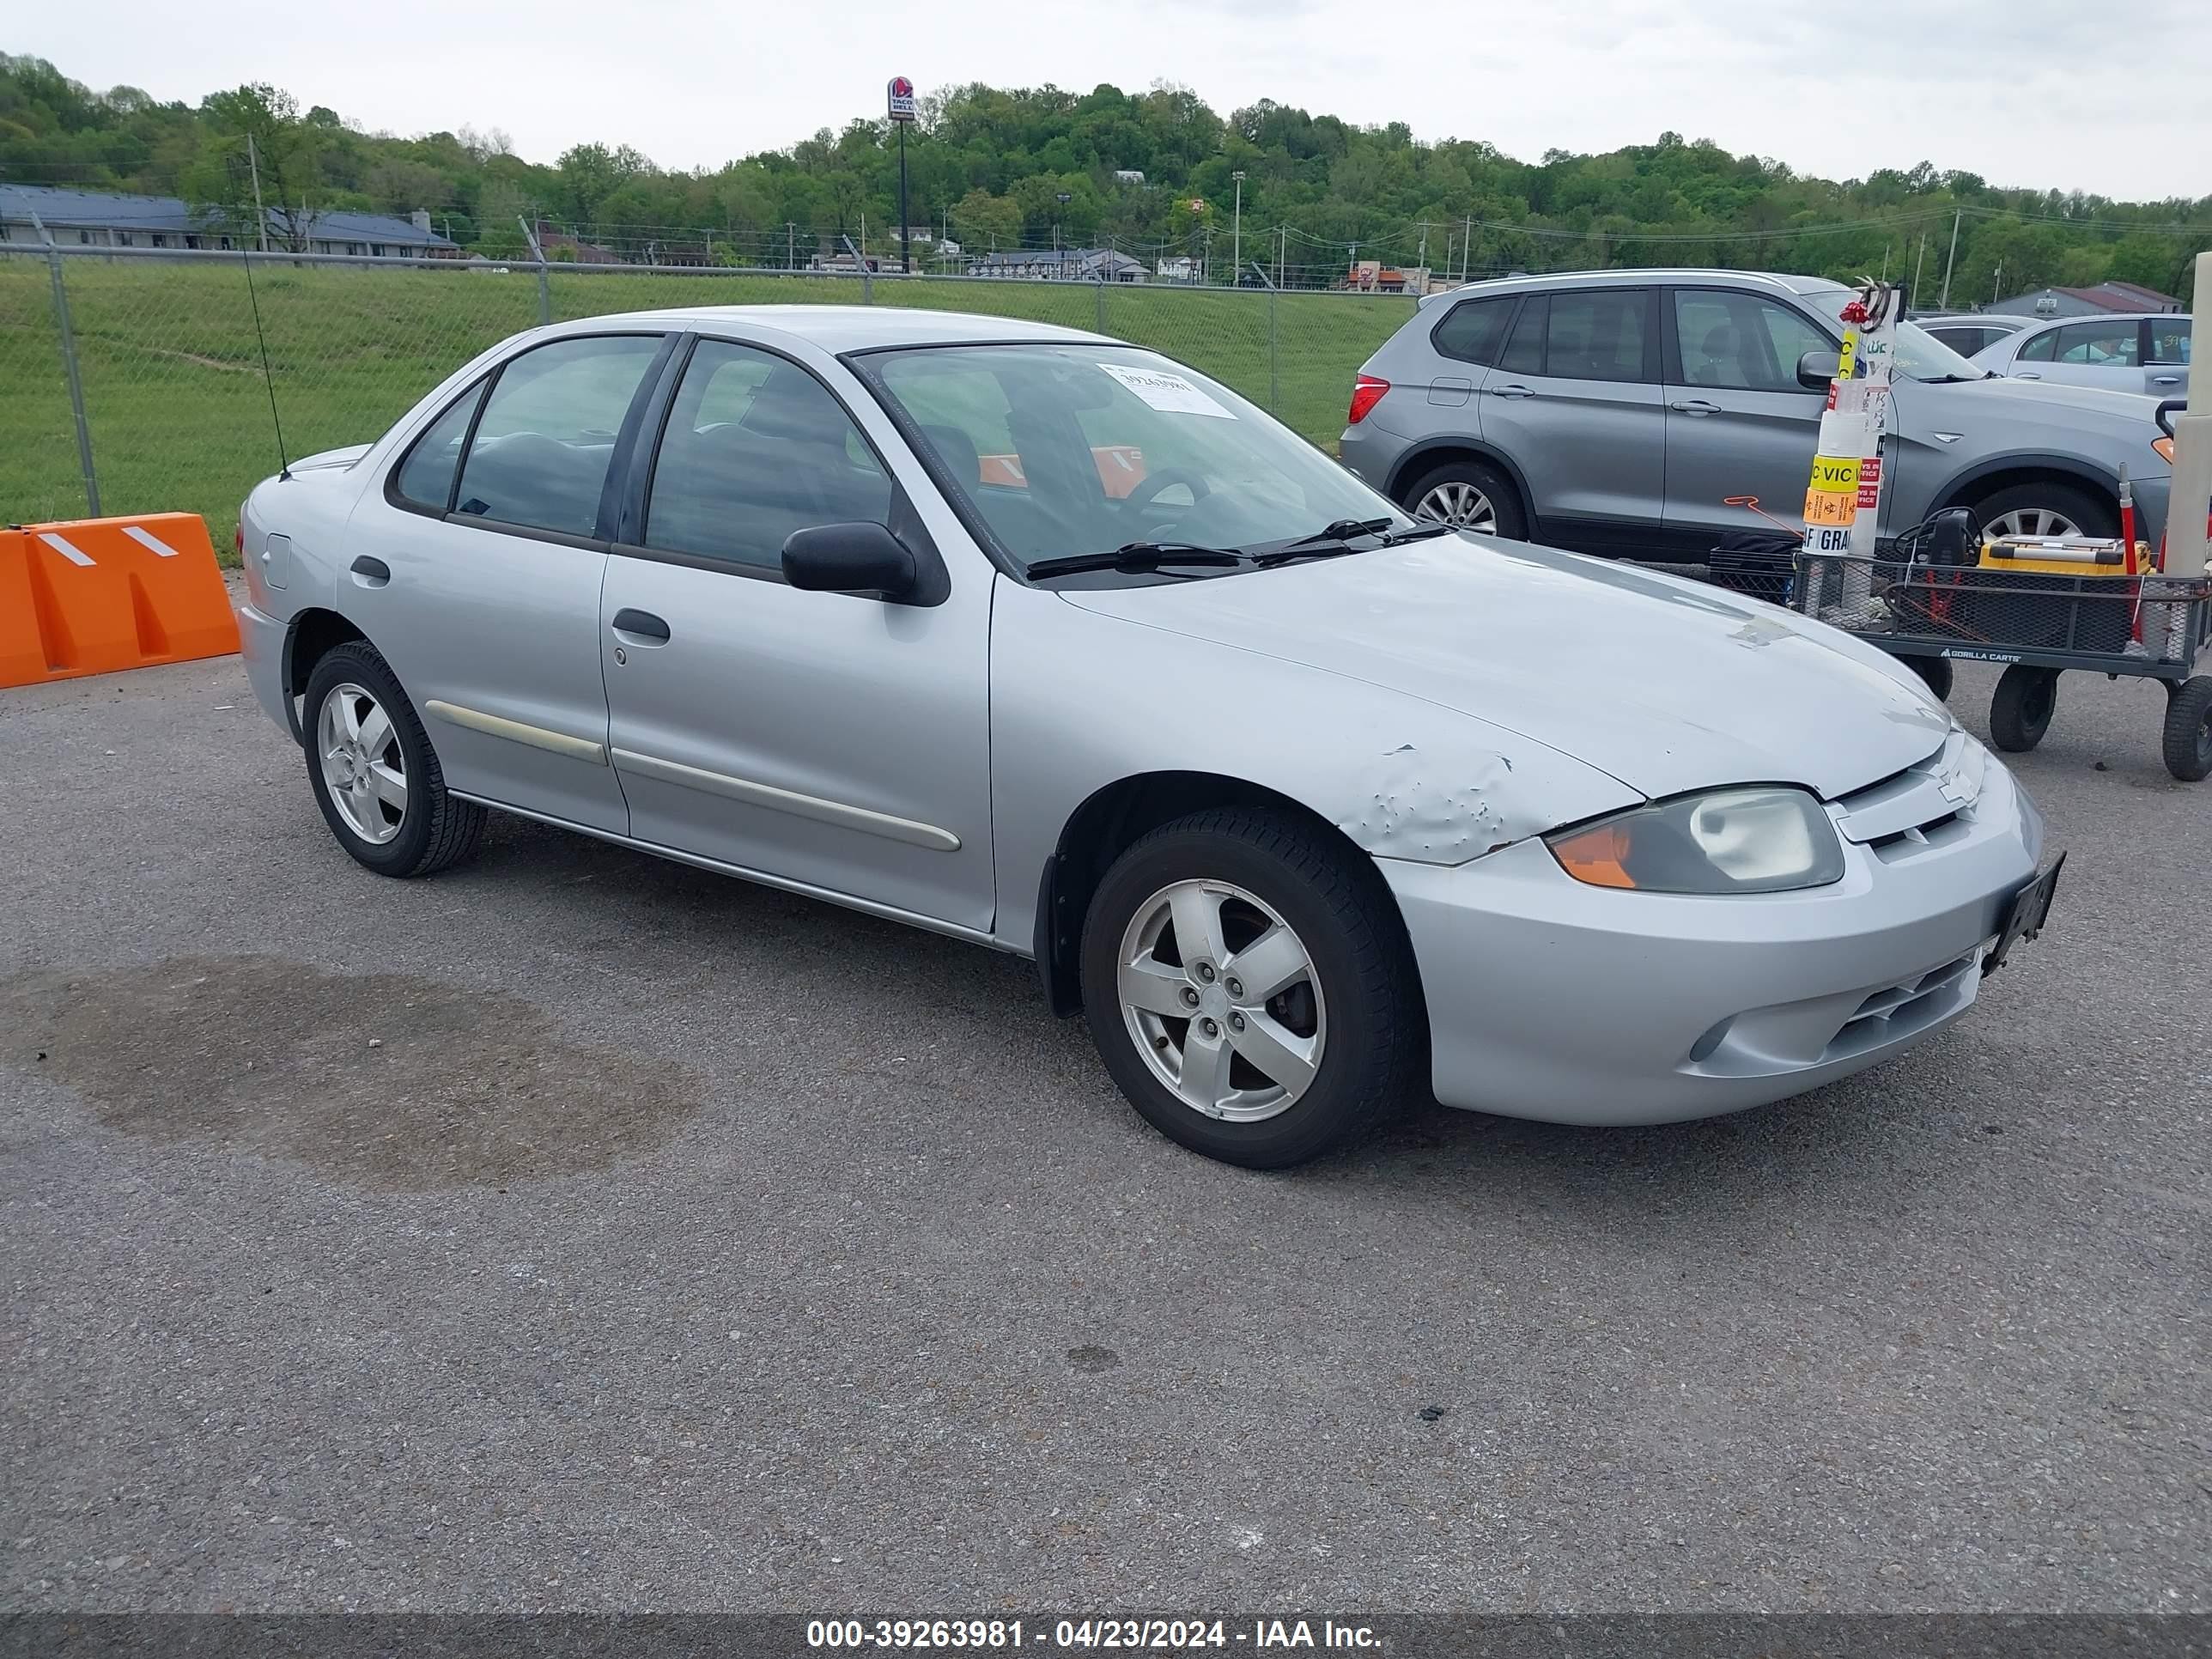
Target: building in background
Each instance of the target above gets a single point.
(2105, 299)
(88, 218)
(1064, 264)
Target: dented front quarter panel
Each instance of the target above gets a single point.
(1080, 701)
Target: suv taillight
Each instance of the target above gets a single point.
(1366, 393)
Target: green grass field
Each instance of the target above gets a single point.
(178, 409)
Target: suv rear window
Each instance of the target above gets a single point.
(1472, 331)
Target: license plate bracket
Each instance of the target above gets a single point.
(2030, 909)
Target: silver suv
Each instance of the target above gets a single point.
(1631, 412)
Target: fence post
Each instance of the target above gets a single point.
(1101, 297)
(70, 367)
(1274, 392)
(544, 282)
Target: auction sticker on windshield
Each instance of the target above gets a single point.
(1169, 393)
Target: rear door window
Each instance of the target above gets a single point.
(2115, 344)
(1598, 334)
(547, 436)
(425, 479)
(1525, 351)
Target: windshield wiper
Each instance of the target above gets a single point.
(1139, 558)
(1334, 539)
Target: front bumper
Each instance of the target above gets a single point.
(1551, 999)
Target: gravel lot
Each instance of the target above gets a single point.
(582, 1230)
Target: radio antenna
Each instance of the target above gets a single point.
(283, 464)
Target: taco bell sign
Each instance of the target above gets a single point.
(900, 98)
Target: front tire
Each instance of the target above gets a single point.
(375, 776)
(1249, 987)
(2021, 711)
(2047, 509)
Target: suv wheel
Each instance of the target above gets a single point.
(2047, 509)
(1250, 989)
(1470, 495)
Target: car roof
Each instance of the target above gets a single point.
(838, 329)
(1782, 281)
(1991, 318)
(2114, 317)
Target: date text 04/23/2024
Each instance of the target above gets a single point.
(1166, 1635)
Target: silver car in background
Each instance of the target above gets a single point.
(1632, 413)
(1050, 644)
(2143, 351)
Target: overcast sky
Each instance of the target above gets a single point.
(2040, 92)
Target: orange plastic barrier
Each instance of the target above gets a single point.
(94, 595)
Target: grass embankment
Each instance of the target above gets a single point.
(178, 409)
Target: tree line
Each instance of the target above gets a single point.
(1151, 172)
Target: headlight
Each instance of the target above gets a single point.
(1765, 839)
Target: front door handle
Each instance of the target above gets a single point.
(2166, 379)
(369, 572)
(641, 627)
(1509, 392)
(1696, 406)
(2029, 374)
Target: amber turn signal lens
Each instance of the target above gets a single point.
(2165, 447)
(1598, 856)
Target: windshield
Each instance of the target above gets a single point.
(1068, 450)
(1920, 354)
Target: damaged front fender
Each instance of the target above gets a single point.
(1451, 803)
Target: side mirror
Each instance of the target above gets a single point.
(1816, 368)
(851, 558)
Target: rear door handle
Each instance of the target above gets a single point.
(2029, 374)
(1509, 392)
(1696, 406)
(2166, 379)
(369, 572)
(641, 627)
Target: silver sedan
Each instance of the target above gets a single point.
(1050, 644)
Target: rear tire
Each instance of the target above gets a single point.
(2189, 730)
(428, 829)
(2021, 712)
(1275, 897)
(1473, 495)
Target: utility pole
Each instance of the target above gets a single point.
(1467, 250)
(260, 214)
(1944, 304)
(1884, 264)
(1237, 232)
(1997, 286)
(790, 245)
(1919, 259)
(1423, 260)
(1282, 251)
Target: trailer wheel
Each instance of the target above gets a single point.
(1936, 671)
(2189, 730)
(2021, 712)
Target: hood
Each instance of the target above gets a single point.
(328, 460)
(1667, 685)
(2053, 402)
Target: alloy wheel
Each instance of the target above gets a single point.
(1221, 998)
(2031, 522)
(362, 766)
(1462, 504)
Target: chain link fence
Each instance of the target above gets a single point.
(161, 353)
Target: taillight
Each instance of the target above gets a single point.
(1366, 393)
